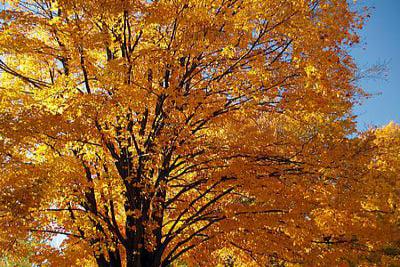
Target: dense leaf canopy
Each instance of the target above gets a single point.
(199, 132)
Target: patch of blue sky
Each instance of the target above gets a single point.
(380, 41)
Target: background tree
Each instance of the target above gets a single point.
(152, 131)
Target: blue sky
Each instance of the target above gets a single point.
(380, 43)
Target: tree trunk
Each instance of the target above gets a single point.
(101, 261)
(144, 259)
(114, 259)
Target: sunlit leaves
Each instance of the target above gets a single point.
(168, 131)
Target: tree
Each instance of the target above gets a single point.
(148, 132)
(380, 196)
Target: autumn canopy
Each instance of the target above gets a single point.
(147, 133)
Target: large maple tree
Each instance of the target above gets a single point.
(150, 133)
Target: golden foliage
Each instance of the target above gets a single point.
(207, 132)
